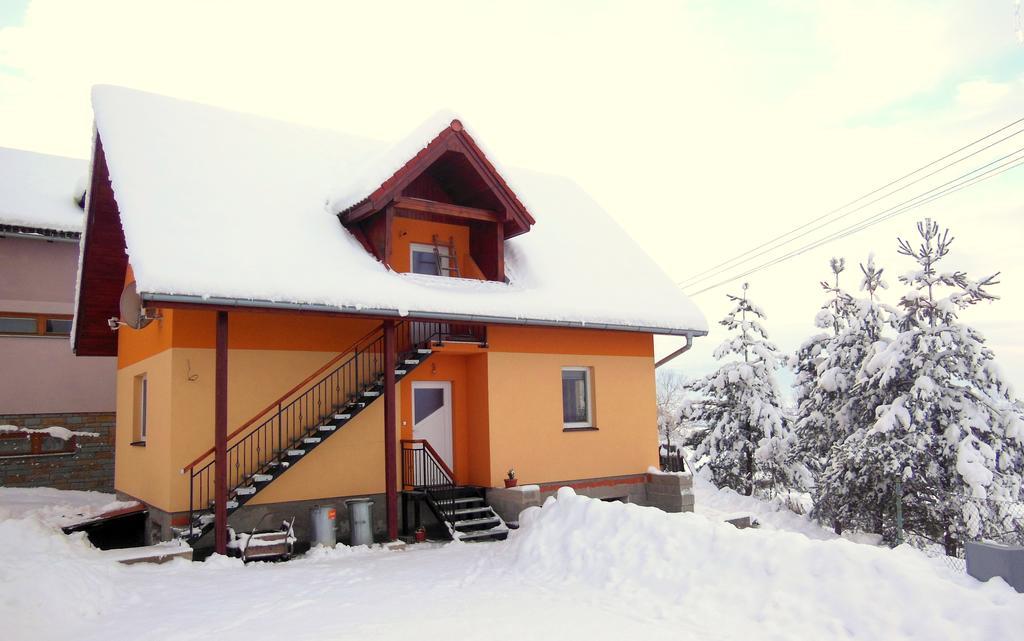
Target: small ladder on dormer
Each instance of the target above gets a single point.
(451, 266)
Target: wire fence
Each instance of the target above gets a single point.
(921, 522)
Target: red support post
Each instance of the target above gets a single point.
(220, 438)
(390, 438)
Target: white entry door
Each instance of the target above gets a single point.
(432, 416)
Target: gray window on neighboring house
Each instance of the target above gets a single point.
(18, 325)
(577, 397)
(58, 326)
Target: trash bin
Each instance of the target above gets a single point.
(323, 519)
(359, 520)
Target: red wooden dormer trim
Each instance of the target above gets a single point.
(513, 215)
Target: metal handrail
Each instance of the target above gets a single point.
(436, 458)
(277, 403)
(423, 469)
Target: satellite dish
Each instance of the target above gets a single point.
(132, 313)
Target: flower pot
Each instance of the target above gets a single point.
(511, 482)
(421, 535)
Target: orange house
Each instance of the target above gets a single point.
(301, 317)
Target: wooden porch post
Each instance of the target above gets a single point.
(390, 444)
(220, 470)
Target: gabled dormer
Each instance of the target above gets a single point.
(445, 211)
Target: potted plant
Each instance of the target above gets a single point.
(421, 534)
(511, 480)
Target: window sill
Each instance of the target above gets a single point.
(138, 443)
(579, 429)
(24, 335)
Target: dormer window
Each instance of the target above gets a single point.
(429, 259)
(449, 191)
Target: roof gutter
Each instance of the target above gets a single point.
(679, 352)
(242, 303)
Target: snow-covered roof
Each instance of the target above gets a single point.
(233, 207)
(39, 191)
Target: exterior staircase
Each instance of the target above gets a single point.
(285, 433)
(463, 509)
(467, 515)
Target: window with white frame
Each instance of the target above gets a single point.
(423, 259)
(141, 409)
(577, 397)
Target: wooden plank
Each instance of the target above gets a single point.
(445, 209)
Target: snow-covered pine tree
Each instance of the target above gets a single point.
(853, 489)
(814, 425)
(748, 435)
(951, 432)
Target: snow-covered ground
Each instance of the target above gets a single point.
(577, 569)
(720, 504)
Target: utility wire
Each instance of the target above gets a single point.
(951, 187)
(715, 270)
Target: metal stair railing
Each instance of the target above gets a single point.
(284, 423)
(424, 470)
(263, 441)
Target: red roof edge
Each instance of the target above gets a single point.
(413, 166)
(103, 267)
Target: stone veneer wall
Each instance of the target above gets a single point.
(90, 467)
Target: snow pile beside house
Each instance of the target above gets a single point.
(50, 583)
(757, 584)
(39, 191)
(578, 568)
(55, 508)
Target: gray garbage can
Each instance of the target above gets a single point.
(360, 521)
(323, 520)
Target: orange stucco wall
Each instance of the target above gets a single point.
(248, 330)
(405, 231)
(557, 340)
(469, 403)
(525, 417)
(506, 403)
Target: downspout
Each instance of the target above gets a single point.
(679, 352)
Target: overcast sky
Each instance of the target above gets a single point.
(704, 128)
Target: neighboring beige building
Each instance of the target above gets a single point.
(42, 384)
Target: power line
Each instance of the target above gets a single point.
(885, 214)
(711, 272)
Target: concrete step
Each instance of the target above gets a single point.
(495, 534)
(489, 520)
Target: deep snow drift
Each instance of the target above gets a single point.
(578, 569)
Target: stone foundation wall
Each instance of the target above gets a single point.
(89, 467)
(668, 492)
(270, 516)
